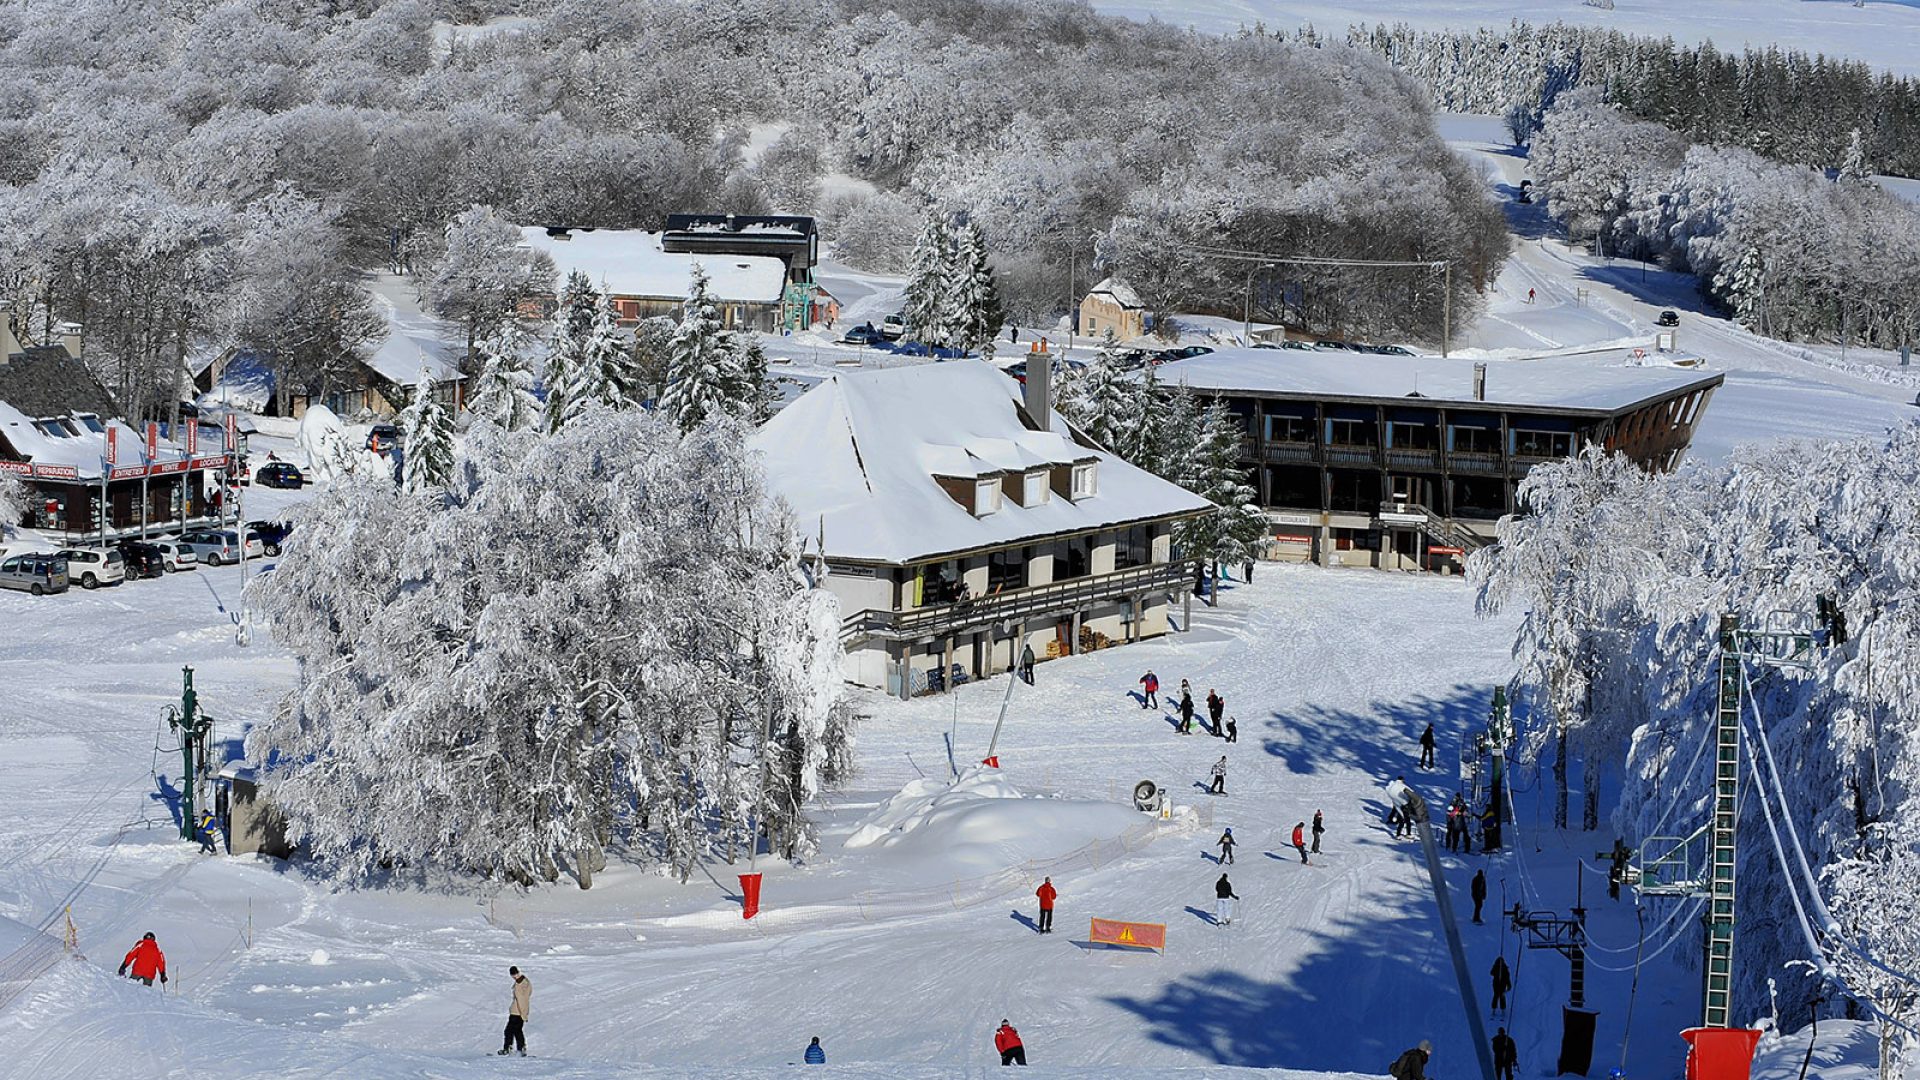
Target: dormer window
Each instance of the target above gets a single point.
(1083, 481)
(1034, 488)
(986, 496)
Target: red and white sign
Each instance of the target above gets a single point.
(209, 463)
(57, 472)
(193, 437)
(1438, 550)
(123, 472)
(21, 468)
(153, 440)
(1291, 538)
(232, 443)
(113, 444)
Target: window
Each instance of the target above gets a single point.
(1542, 443)
(1133, 547)
(53, 429)
(1472, 439)
(1345, 432)
(1072, 558)
(1007, 570)
(1083, 485)
(92, 423)
(1292, 429)
(1034, 488)
(986, 496)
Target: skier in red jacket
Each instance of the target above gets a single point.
(1300, 840)
(1007, 1041)
(147, 960)
(1047, 894)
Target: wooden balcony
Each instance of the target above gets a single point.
(1039, 601)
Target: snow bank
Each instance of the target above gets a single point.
(981, 823)
(1843, 1050)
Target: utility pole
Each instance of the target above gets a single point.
(1499, 734)
(195, 729)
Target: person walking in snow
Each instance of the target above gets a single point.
(1223, 898)
(207, 824)
(1150, 683)
(1007, 1041)
(1047, 894)
(1318, 828)
(1186, 709)
(1233, 730)
(516, 1036)
(1505, 1055)
(1502, 982)
(146, 960)
(1215, 709)
(1219, 777)
(1426, 748)
(1412, 1065)
(1026, 665)
(1300, 840)
(1226, 848)
(816, 1054)
(1478, 890)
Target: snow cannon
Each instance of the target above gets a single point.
(1146, 796)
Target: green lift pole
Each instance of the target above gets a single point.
(195, 729)
(1726, 791)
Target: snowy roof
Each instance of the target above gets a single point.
(857, 454)
(1121, 292)
(630, 263)
(67, 446)
(1604, 382)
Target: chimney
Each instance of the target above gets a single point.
(1479, 382)
(732, 225)
(1040, 385)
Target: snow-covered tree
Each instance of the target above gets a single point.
(426, 429)
(663, 693)
(972, 295)
(702, 377)
(1100, 400)
(1877, 936)
(928, 304)
(481, 271)
(574, 379)
(13, 502)
(1235, 530)
(1853, 164)
(502, 393)
(609, 377)
(751, 393)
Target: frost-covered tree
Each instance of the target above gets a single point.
(750, 392)
(1853, 164)
(928, 303)
(481, 272)
(1100, 400)
(574, 380)
(426, 428)
(502, 393)
(973, 297)
(1235, 530)
(702, 377)
(666, 693)
(606, 362)
(13, 502)
(1877, 936)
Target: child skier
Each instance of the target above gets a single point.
(1150, 683)
(1219, 777)
(1226, 848)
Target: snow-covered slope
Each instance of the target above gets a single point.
(1882, 32)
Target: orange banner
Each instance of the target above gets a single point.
(1141, 935)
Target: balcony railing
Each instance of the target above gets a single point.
(1475, 461)
(1039, 600)
(1406, 458)
(1289, 452)
(1353, 455)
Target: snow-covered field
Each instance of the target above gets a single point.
(1881, 33)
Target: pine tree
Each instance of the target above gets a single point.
(572, 382)
(1853, 167)
(1747, 290)
(976, 315)
(1101, 401)
(1234, 531)
(611, 378)
(928, 309)
(427, 428)
(702, 376)
(503, 391)
(750, 393)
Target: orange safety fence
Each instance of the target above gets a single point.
(1142, 935)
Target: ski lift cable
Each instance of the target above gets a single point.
(1680, 788)
(1678, 910)
(1655, 954)
(1821, 964)
(1828, 923)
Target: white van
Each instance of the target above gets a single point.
(94, 567)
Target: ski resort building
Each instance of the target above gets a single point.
(962, 520)
(1406, 462)
(750, 269)
(90, 476)
(1113, 305)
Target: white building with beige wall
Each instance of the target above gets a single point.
(962, 518)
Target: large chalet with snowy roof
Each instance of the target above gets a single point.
(962, 519)
(91, 476)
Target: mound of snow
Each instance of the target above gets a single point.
(982, 822)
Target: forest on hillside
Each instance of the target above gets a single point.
(195, 175)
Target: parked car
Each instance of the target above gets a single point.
(1297, 346)
(893, 327)
(1184, 352)
(1337, 345)
(38, 573)
(1264, 345)
(1669, 317)
(1392, 350)
(1019, 371)
(143, 560)
(864, 334)
(94, 567)
(382, 438)
(216, 546)
(175, 556)
(279, 474)
(271, 533)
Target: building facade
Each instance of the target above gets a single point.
(1113, 305)
(959, 535)
(1407, 462)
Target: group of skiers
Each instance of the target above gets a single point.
(1220, 725)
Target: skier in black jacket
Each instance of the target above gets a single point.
(1223, 898)
(1186, 710)
(1505, 1055)
(1502, 982)
(1479, 892)
(1412, 1065)
(1426, 748)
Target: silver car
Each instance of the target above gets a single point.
(37, 573)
